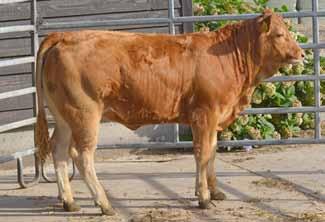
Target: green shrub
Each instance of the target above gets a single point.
(278, 94)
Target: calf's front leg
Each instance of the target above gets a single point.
(201, 130)
(215, 193)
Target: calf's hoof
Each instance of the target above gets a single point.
(218, 195)
(205, 204)
(71, 207)
(108, 211)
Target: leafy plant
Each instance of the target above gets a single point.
(279, 94)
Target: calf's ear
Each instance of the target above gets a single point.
(267, 12)
(266, 24)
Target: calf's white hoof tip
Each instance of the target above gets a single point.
(218, 196)
(109, 211)
(205, 204)
(71, 207)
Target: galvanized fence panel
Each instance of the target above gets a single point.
(30, 121)
(171, 21)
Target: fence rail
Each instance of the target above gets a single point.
(171, 20)
(16, 61)
(13, 1)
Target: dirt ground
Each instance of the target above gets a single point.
(268, 184)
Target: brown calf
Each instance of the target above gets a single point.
(200, 79)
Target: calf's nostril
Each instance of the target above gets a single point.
(302, 55)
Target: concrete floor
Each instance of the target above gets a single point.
(268, 184)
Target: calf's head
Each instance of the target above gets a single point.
(275, 44)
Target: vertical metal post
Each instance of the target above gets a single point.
(171, 15)
(34, 45)
(298, 8)
(316, 68)
(34, 49)
(187, 10)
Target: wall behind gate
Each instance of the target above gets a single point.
(19, 44)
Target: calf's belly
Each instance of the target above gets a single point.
(134, 118)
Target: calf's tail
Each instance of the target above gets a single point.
(41, 133)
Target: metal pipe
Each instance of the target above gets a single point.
(232, 143)
(279, 110)
(312, 45)
(16, 28)
(170, 20)
(298, 8)
(18, 92)
(15, 156)
(316, 69)
(20, 173)
(171, 16)
(291, 78)
(16, 61)
(2, 2)
(243, 16)
(103, 23)
(18, 124)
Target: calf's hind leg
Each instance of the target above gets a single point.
(60, 142)
(85, 142)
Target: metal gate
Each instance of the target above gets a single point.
(32, 28)
(173, 20)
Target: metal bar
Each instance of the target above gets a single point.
(20, 173)
(14, 156)
(312, 45)
(2, 2)
(243, 16)
(189, 144)
(18, 92)
(187, 10)
(171, 16)
(85, 24)
(181, 144)
(270, 142)
(18, 124)
(16, 28)
(169, 20)
(299, 8)
(279, 110)
(146, 145)
(292, 78)
(16, 61)
(34, 45)
(316, 69)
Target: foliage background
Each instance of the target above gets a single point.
(278, 94)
